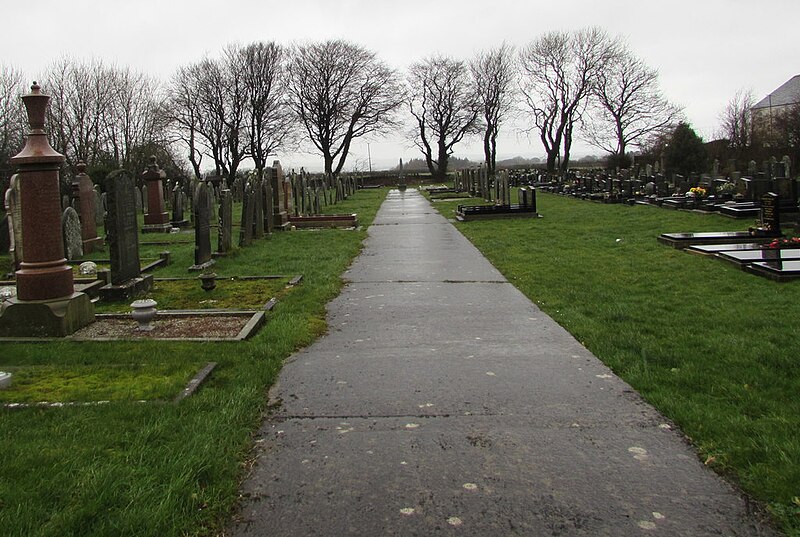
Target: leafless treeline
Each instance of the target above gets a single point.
(251, 102)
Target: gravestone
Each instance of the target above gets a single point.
(266, 198)
(123, 239)
(178, 208)
(156, 219)
(71, 228)
(202, 208)
(137, 194)
(86, 202)
(258, 212)
(14, 212)
(770, 213)
(46, 303)
(280, 218)
(248, 215)
(225, 230)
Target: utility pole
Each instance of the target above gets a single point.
(369, 158)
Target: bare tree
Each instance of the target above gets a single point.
(184, 115)
(444, 103)
(629, 106)
(493, 73)
(131, 121)
(559, 71)
(79, 106)
(268, 118)
(210, 103)
(736, 121)
(12, 117)
(340, 92)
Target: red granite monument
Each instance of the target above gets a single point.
(156, 219)
(46, 303)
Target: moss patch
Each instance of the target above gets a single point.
(230, 293)
(81, 383)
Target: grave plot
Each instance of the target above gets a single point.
(526, 208)
(685, 240)
(762, 251)
(769, 230)
(194, 309)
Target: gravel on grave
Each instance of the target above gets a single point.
(178, 327)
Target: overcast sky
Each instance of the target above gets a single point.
(705, 50)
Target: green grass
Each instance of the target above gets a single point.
(129, 468)
(712, 347)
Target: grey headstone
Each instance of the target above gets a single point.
(266, 197)
(224, 241)
(121, 227)
(13, 205)
(202, 226)
(99, 207)
(71, 227)
(258, 213)
(248, 214)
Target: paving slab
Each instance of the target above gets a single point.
(444, 402)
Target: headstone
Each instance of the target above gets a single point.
(156, 219)
(121, 227)
(787, 166)
(770, 213)
(71, 228)
(86, 202)
(225, 230)
(14, 212)
(202, 208)
(248, 214)
(178, 208)
(99, 207)
(137, 194)
(280, 217)
(46, 303)
(266, 197)
(258, 213)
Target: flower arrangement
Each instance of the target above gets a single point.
(697, 192)
(791, 242)
(726, 188)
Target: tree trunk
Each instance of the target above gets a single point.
(487, 151)
(441, 163)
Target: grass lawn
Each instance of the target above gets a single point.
(131, 468)
(712, 347)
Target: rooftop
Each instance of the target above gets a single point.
(788, 93)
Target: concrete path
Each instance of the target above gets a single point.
(444, 402)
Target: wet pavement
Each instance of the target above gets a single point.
(443, 401)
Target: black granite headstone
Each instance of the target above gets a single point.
(770, 213)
